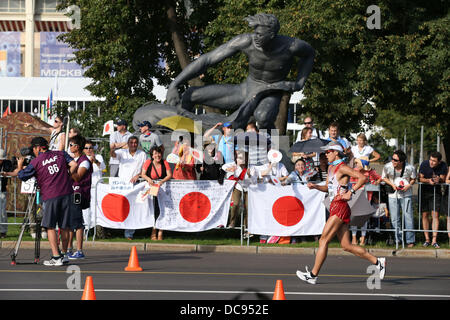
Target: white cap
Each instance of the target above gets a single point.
(333, 145)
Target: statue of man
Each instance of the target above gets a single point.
(270, 59)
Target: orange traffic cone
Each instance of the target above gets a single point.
(133, 263)
(88, 293)
(279, 291)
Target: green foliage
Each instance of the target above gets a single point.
(122, 45)
(403, 66)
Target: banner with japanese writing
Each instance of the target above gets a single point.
(193, 205)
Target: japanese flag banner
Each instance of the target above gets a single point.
(108, 127)
(292, 210)
(193, 205)
(120, 210)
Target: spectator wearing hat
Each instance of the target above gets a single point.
(225, 144)
(53, 178)
(5, 166)
(118, 140)
(148, 139)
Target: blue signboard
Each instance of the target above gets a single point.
(10, 54)
(55, 56)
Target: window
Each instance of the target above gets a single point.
(19, 107)
(45, 6)
(27, 106)
(12, 105)
(12, 6)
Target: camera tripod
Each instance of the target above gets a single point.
(32, 210)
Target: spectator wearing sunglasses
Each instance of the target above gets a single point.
(98, 163)
(57, 135)
(82, 179)
(400, 176)
(308, 122)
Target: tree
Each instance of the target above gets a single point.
(401, 67)
(123, 44)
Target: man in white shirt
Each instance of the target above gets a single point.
(118, 140)
(131, 161)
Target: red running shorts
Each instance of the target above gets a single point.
(341, 209)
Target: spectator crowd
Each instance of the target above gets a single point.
(134, 158)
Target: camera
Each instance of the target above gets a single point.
(77, 198)
(27, 153)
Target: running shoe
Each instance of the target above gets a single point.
(65, 258)
(381, 266)
(76, 255)
(306, 276)
(54, 262)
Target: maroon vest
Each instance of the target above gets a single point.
(52, 175)
(84, 185)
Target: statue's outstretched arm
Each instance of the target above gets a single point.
(306, 53)
(201, 64)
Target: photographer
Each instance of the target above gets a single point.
(5, 166)
(51, 171)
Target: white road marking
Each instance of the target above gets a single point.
(393, 295)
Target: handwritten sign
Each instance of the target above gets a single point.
(119, 185)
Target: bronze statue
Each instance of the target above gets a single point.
(271, 57)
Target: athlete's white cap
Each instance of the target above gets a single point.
(333, 145)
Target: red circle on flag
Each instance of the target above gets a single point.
(115, 207)
(195, 207)
(288, 211)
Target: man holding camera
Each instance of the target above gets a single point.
(52, 170)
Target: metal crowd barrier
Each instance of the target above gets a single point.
(368, 187)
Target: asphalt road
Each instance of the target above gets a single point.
(220, 276)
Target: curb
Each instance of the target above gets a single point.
(158, 247)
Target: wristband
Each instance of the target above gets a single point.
(352, 191)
